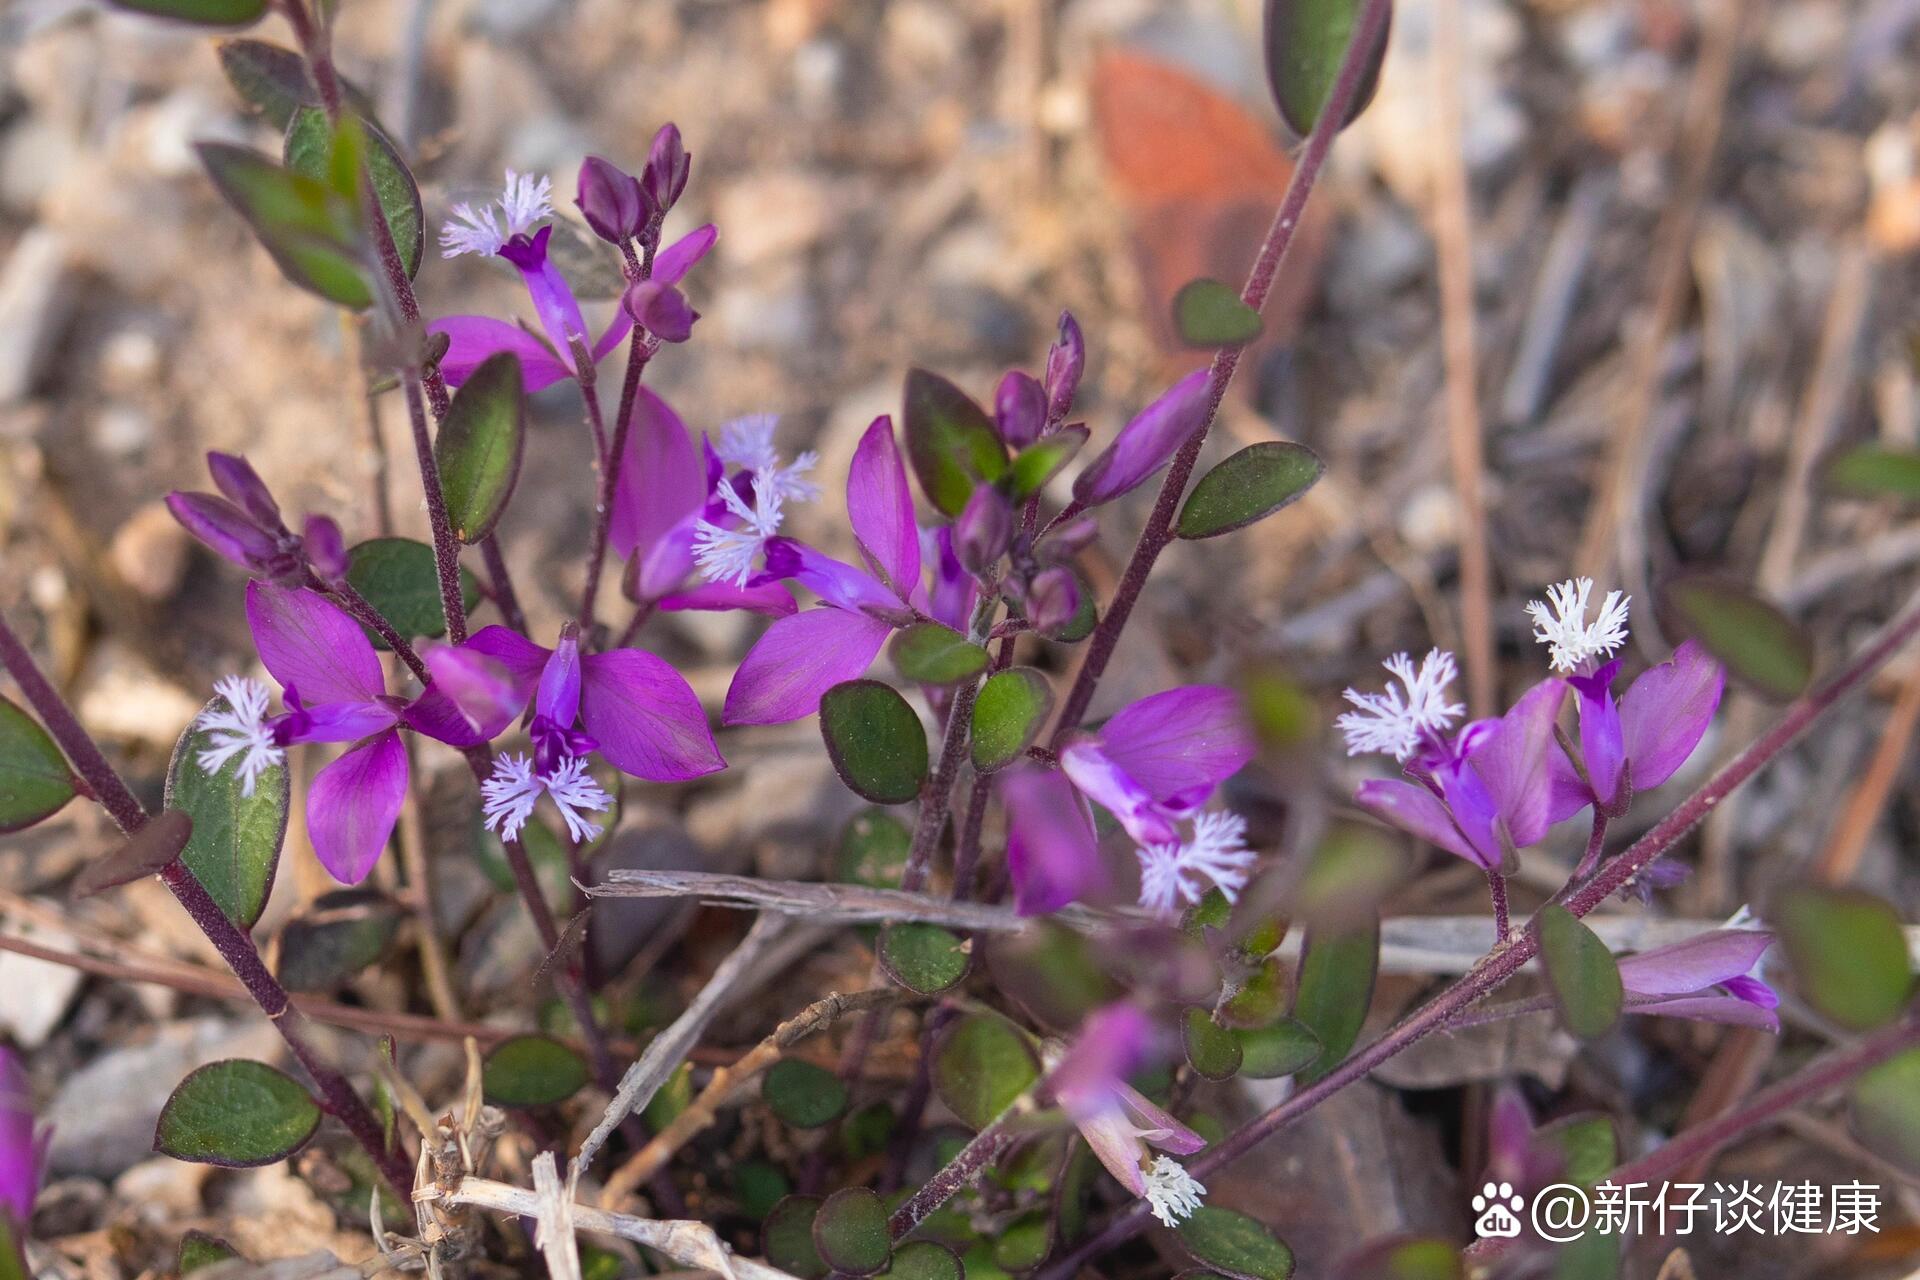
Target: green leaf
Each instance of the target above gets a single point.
(1886, 1109)
(1008, 714)
(1235, 1245)
(924, 1260)
(1051, 972)
(1207, 313)
(399, 578)
(198, 1249)
(981, 1065)
(211, 13)
(875, 741)
(850, 1232)
(1875, 471)
(1759, 645)
(1250, 486)
(274, 81)
(311, 231)
(1042, 460)
(1348, 873)
(924, 958)
(1848, 952)
(479, 446)
(309, 150)
(1287, 1046)
(866, 1131)
(531, 1071)
(1306, 40)
(1022, 1244)
(1582, 972)
(929, 653)
(803, 1095)
(672, 1098)
(950, 441)
(337, 936)
(1334, 988)
(1402, 1258)
(787, 1237)
(237, 1113)
(34, 778)
(1258, 998)
(760, 1186)
(873, 850)
(1584, 1147)
(1594, 1256)
(1213, 1050)
(234, 849)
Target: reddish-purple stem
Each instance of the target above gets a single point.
(638, 354)
(446, 551)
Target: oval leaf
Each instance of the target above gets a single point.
(210, 13)
(237, 1113)
(198, 1249)
(1042, 460)
(1848, 951)
(1334, 988)
(1235, 1245)
(479, 446)
(929, 653)
(875, 740)
(873, 850)
(1758, 644)
(850, 1232)
(274, 81)
(531, 1071)
(803, 1095)
(1583, 974)
(34, 778)
(1008, 714)
(1267, 1053)
(234, 848)
(1306, 40)
(787, 1237)
(1022, 1244)
(1213, 1050)
(337, 936)
(150, 850)
(1250, 486)
(398, 578)
(1207, 313)
(1875, 471)
(924, 958)
(310, 230)
(1886, 1109)
(983, 1063)
(950, 441)
(309, 150)
(924, 1260)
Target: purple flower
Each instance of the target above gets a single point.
(611, 200)
(1711, 977)
(1634, 743)
(1153, 766)
(626, 705)
(1066, 360)
(1483, 793)
(660, 309)
(243, 524)
(23, 1151)
(801, 657)
(1119, 1123)
(1145, 444)
(505, 229)
(1019, 409)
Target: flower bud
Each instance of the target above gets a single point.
(1020, 409)
(326, 549)
(1053, 597)
(1066, 359)
(1064, 542)
(667, 166)
(225, 529)
(660, 309)
(984, 530)
(236, 478)
(611, 200)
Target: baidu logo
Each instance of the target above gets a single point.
(1498, 1209)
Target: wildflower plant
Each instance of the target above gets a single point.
(1091, 927)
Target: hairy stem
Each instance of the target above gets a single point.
(1596, 841)
(504, 597)
(1497, 890)
(959, 1171)
(446, 551)
(362, 609)
(638, 353)
(938, 798)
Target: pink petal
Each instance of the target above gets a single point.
(353, 804)
(1161, 1129)
(678, 258)
(1666, 712)
(311, 646)
(798, 659)
(1729, 1010)
(1417, 811)
(661, 480)
(1099, 779)
(1147, 443)
(646, 717)
(473, 338)
(1512, 760)
(770, 599)
(616, 331)
(1052, 855)
(483, 690)
(1182, 741)
(880, 507)
(1695, 963)
(20, 1151)
(834, 581)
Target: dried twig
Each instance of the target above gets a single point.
(553, 1220)
(840, 903)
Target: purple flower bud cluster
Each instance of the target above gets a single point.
(243, 525)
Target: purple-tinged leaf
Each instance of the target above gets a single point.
(238, 1114)
(950, 441)
(148, 851)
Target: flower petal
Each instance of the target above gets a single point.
(880, 508)
(646, 717)
(1159, 1127)
(678, 258)
(1419, 812)
(1666, 712)
(552, 296)
(1181, 742)
(482, 690)
(471, 339)
(1729, 1010)
(20, 1152)
(353, 804)
(558, 697)
(1111, 1045)
(311, 646)
(1512, 760)
(1052, 855)
(1601, 747)
(771, 599)
(834, 581)
(661, 480)
(954, 589)
(1145, 444)
(1694, 964)
(1098, 778)
(798, 659)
